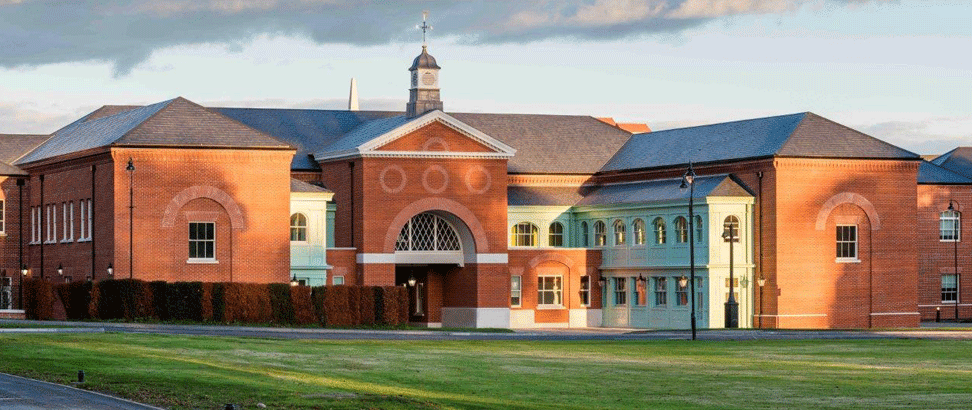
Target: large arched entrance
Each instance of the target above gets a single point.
(431, 255)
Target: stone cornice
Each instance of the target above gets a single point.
(548, 180)
(854, 164)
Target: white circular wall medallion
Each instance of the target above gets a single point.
(383, 177)
(427, 176)
(478, 175)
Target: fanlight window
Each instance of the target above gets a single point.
(428, 232)
(298, 228)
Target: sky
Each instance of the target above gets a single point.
(898, 70)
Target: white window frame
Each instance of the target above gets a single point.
(638, 231)
(600, 234)
(71, 205)
(640, 292)
(585, 234)
(516, 291)
(699, 229)
(33, 225)
(953, 290)
(660, 231)
(84, 220)
(90, 220)
(954, 217)
(731, 222)
(559, 235)
(855, 243)
(660, 291)
(620, 232)
(681, 230)
(524, 234)
(621, 291)
(64, 226)
(682, 294)
(213, 240)
(585, 290)
(338, 280)
(557, 291)
(299, 227)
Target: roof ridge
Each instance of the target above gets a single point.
(165, 106)
(944, 157)
(214, 112)
(808, 114)
(725, 123)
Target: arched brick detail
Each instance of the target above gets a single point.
(208, 192)
(550, 256)
(848, 198)
(436, 204)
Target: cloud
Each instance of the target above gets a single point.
(126, 32)
(24, 117)
(924, 136)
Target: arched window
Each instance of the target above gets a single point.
(659, 225)
(556, 236)
(585, 235)
(619, 232)
(298, 228)
(638, 228)
(600, 236)
(698, 229)
(524, 234)
(730, 228)
(950, 226)
(428, 232)
(681, 230)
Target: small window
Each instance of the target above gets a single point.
(550, 291)
(585, 235)
(638, 229)
(681, 293)
(556, 236)
(699, 294)
(949, 288)
(847, 243)
(524, 234)
(338, 280)
(950, 226)
(681, 230)
(698, 229)
(620, 291)
(659, 225)
(84, 220)
(202, 241)
(619, 232)
(516, 290)
(730, 228)
(585, 290)
(298, 228)
(600, 236)
(661, 292)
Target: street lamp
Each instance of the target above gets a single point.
(955, 239)
(131, 217)
(688, 182)
(23, 275)
(732, 307)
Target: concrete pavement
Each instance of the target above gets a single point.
(18, 393)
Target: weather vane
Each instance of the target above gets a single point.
(425, 26)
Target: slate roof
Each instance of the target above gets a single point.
(663, 190)
(931, 174)
(958, 160)
(297, 185)
(367, 132)
(14, 146)
(795, 135)
(176, 122)
(10, 170)
(545, 143)
(552, 196)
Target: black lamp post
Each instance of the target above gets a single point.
(732, 307)
(23, 276)
(688, 181)
(131, 218)
(955, 239)
(762, 281)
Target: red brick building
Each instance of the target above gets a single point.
(495, 220)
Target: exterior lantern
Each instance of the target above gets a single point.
(111, 270)
(411, 281)
(293, 281)
(60, 269)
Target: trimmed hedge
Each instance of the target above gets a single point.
(129, 299)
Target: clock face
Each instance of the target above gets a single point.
(428, 78)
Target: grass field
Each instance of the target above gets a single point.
(201, 372)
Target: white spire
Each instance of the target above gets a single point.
(353, 97)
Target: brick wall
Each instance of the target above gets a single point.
(937, 257)
(572, 264)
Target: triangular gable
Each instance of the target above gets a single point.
(369, 139)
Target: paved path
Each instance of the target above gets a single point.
(18, 393)
(532, 334)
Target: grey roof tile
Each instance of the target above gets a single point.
(796, 135)
(663, 190)
(14, 146)
(297, 185)
(10, 170)
(553, 196)
(367, 131)
(958, 160)
(931, 174)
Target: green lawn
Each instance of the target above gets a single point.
(202, 372)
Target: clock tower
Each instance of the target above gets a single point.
(424, 91)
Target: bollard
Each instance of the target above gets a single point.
(80, 376)
(938, 314)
